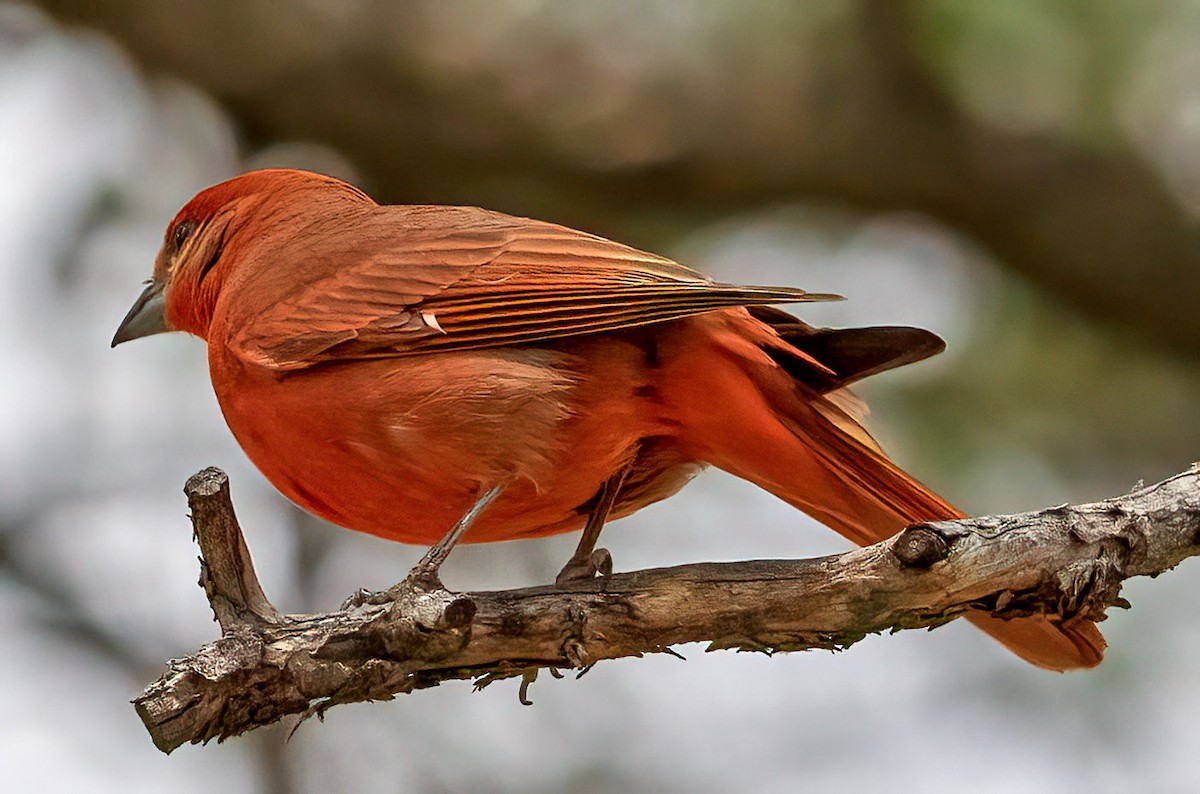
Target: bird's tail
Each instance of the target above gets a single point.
(773, 416)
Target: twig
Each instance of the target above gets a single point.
(1066, 562)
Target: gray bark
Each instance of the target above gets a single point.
(1066, 562)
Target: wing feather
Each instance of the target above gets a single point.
(425, 279)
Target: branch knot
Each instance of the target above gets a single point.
(920, 546)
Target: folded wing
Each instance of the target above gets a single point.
(424, 279)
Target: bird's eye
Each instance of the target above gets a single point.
(183, 230)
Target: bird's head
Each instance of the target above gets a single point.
(200, 246)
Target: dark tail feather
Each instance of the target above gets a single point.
(851, 353)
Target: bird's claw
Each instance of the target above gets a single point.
(364, 597)
(598, 563)
(421, 577)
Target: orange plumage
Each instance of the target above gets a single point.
(385, 365)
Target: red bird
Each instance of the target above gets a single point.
(403, 370)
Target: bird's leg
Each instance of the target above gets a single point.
(587, 561)
(425, 573)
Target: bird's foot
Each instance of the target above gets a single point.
(365, 597)
(598, 563)
(423, 578)
(424, 575)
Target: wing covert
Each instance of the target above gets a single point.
(423, 279)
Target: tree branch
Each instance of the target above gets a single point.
(1067, 562)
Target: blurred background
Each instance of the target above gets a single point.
(1021, 177)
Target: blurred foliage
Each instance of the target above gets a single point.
(1002, 119)
(1039, 66)
(1063, 411)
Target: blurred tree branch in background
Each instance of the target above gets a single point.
(854, 117)
(1066, 562)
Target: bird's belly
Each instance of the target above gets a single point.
(401, 448)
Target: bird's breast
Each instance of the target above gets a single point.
(399, 447)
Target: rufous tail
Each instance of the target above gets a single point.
(741, 412)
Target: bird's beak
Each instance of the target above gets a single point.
(147, 317)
